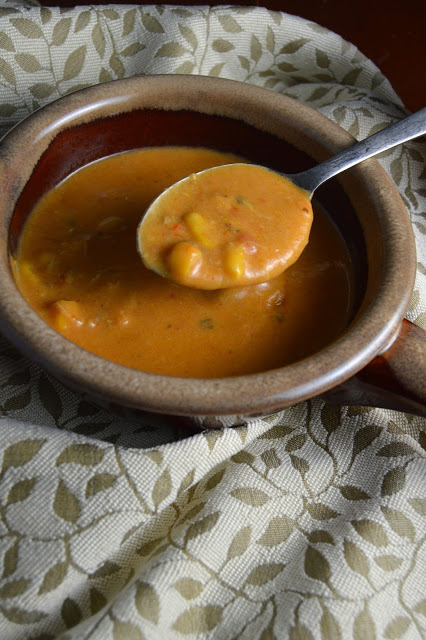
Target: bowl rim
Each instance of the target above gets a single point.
(369, 334)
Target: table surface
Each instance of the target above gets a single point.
(389, 32)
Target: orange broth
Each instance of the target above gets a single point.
(78, 267)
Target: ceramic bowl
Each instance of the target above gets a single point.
(376, 360)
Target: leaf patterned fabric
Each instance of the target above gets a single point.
(303, 525)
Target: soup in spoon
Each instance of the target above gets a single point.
(229, 226)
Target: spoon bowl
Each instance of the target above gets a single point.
(231, 225)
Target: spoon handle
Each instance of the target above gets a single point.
(397, 133)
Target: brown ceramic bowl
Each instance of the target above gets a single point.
(377, 360)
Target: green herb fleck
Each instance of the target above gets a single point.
(206, 323)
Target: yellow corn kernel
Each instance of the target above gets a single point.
(28, 274)
(69, 277)
(235, 260)
(61, 322)
(46, 259)
(65, 313)
(183, 259)
(109, 224)
(199, 227)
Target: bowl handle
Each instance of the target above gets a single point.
(395, 379)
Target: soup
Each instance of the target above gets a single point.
(232, 225)
(78, 266)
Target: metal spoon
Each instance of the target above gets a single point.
(309, 180)
(410, 127)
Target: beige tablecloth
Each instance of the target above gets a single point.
(307, 524)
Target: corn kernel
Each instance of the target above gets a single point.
(64, 313)
(199, 227)
(61, 323)
(46, 259)
(29, 275)
(183, 259)
(235, 260)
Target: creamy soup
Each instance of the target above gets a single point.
(78, 267)
(232, 225)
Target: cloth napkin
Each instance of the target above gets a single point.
(306, 524)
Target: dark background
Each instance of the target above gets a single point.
(392, 33)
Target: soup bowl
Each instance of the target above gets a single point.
(379, 359)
